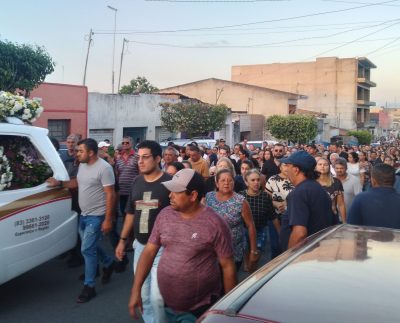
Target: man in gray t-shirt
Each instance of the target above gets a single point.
(91, 182)
(95, 182)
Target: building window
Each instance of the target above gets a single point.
(59, 128)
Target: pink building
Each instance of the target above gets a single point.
(384, 120)
(65, 109)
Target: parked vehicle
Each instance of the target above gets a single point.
(201, 141)
(259, 143)
(204, 141)
(36, 222)
(345, 140)
(342, 274)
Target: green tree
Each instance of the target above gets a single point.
(23, 67)
(195, 119)
(138, 85)
(364, 137)
(295, 128)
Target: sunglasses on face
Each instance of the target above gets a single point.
(278, 151)
(125, 143)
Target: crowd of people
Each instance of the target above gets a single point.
(196, 215)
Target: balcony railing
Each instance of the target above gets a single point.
(365, 81)
(366, 102)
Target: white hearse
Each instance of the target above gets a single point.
(36, 222)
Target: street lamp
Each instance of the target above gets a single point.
(113, 55)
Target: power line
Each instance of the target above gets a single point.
(236, 33)
(382, 47)
(216, 1)
(271, 20)
(271, 44)
(357, 2)
(352, 41)
(125, 31)
(388, 51)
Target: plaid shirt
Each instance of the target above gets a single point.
(261, 208)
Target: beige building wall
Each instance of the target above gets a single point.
(238, 97)
(329, 83)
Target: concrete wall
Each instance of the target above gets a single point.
(252, 126)
(330, 84)
(237, 97)
(115, 111)
(63, 101)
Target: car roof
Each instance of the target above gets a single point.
(343, 274)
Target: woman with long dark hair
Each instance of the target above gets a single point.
(333, 187)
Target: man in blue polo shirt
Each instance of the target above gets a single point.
(380, 205)
(309, 207)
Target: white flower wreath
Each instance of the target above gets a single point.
(5, 173)
(12, 105)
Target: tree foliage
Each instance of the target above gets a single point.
(295, 128)
(364, 137)
(23, 67)
(195, 119)
(138, 85)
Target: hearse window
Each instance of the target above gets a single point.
(21, 164)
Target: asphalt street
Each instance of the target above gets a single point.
(48, 294)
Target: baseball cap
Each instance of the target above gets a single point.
(302, 159)
(222, 140)
(103, 144)
(185, 179)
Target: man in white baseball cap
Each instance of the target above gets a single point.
(197, 243)
(103, 144)
(103, 152)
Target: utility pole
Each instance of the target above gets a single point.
(218, 93)
(113, 56)
(87, 56)
(120, 64)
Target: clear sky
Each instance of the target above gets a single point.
(174, 42)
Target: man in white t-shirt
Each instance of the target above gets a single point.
(351, 184)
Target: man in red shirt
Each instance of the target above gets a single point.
(197, 243)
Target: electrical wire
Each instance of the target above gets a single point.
(271, 20)
(357, 2)
(100, 31)
(382, 47)
(271, 44)
(216, 1)
(352, 41)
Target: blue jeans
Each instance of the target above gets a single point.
(261, 237)
(175, 317)
(114, 235)
(90, 232)
(274, 240)
(153, 303)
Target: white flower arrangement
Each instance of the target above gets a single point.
(25, 109)
(5, 173)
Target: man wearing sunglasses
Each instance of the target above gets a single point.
(271, 166)
(126, 170)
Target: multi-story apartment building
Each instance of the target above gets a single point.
(338, 87)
